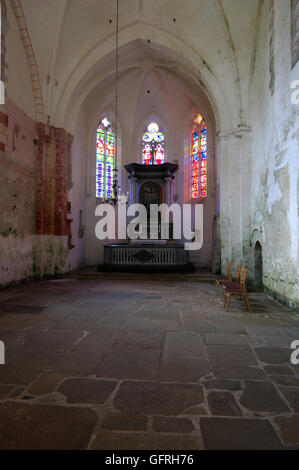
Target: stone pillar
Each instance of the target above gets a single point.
(225, 197)
(246, 200)
(235, 197)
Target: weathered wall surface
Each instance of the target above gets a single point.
(33, 195)
(275, 154)
(17, 201)
(27, 205)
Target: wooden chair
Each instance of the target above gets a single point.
(220, 279)
(236, 283)
(234, 290)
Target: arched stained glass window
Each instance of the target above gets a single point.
(199, 158)
(153, 152)
(105, 160)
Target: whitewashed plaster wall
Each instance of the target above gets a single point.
(275, 157)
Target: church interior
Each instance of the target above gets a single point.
(141, 343)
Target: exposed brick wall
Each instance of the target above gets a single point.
(17, 173)
(63, 147)
(3, 78)
(295, 31)
(52, 180)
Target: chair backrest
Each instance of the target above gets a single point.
(229, 270)
(243, 276)
(237, 274)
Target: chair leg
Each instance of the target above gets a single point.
(216, 287)
(247, 302)
(228, 301)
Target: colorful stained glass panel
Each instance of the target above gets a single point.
(105, 160)
(153, 152)
(199, 158)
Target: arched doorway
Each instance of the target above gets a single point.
(258, 268)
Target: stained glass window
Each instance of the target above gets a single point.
(153, 152)
(105, 160)
(199, 158)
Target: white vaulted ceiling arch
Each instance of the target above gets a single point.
(204, 38)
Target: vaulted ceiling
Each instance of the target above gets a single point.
(207, 41)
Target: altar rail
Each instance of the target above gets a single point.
(146, 255)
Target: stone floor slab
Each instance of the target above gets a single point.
(217, 338)
(289, 428)
(6, 390)
(143, 339)
(273, 355)
(222, 384)
(183, 370)
(183, 345)
(10, 374)
(44, 427)
(231, 355)
(262, 397)
(278, 370)
(292, 396)
(145, 441)
(132, 363)
(87, 390)
(266, 330)
(99, 343)
(223, 404)
(124, 422)
(73, 363)
(45, 383)
(170, 424)
(227, 372)
(238, 434)
(157, 398)
(199, 327)
(287, 380)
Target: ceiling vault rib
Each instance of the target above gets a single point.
(51, 74)
(233, 55)
(31, 60)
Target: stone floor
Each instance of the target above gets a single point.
(145, 362)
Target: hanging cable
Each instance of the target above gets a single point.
(115, 179)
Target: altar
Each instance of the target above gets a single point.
(149, 184)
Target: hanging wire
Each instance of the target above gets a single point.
(115, 182)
